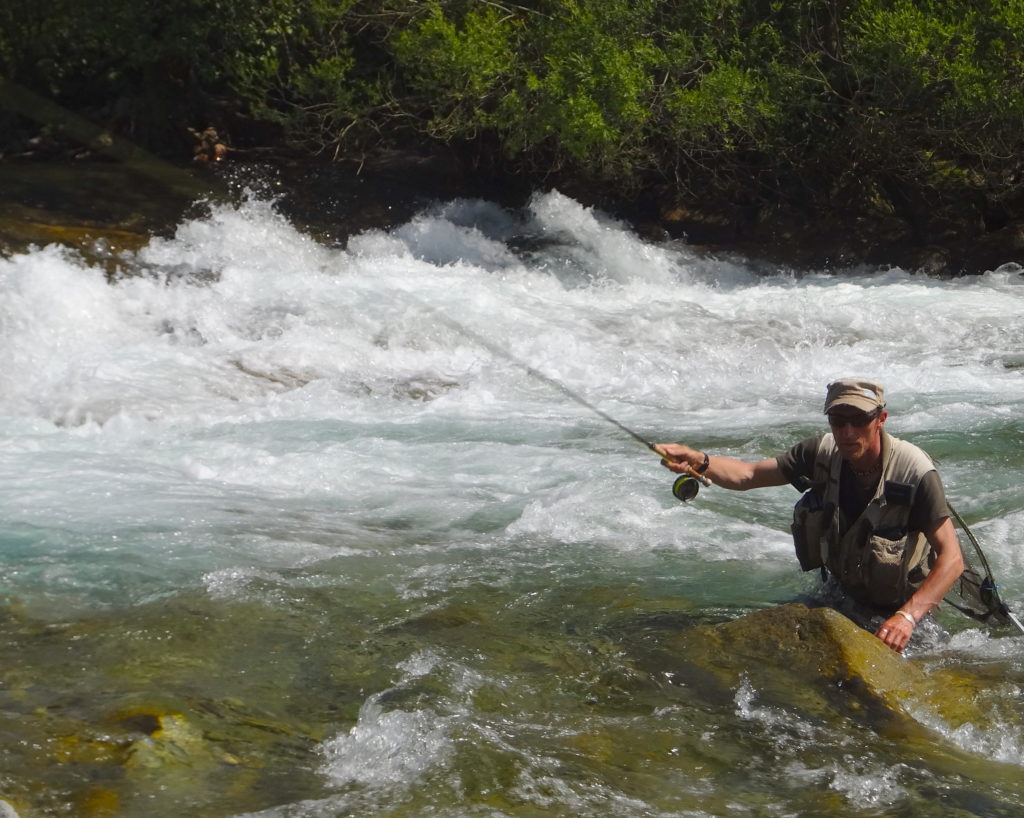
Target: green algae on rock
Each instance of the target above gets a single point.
(808, 654)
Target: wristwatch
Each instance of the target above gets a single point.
(703, 467)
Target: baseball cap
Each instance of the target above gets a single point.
(859, 394)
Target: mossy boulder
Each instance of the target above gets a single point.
(816, 659)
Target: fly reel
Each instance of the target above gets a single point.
(685, 487)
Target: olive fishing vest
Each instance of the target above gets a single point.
(875, 557)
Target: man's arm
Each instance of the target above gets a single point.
(726, 472)
(949, 564)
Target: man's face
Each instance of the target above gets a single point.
(856, 433)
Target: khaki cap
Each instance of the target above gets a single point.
(864, 395)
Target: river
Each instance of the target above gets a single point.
(278, 539)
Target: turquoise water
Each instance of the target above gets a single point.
(277, 539)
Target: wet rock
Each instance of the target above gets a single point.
(810, 657)
(448, 617)
(175, 741)
(97, 802)
(92, 242)
(99, 210)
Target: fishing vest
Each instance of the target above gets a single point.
(875, 557)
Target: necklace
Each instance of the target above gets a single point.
(867, 472)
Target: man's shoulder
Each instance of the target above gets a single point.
(799, 459)
(909, 457)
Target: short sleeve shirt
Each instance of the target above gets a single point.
(929, 505)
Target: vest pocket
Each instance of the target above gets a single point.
(811, 519)
(883, 571)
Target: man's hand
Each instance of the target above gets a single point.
(896, 632)
(679, 458)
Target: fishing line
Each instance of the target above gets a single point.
(685, 487)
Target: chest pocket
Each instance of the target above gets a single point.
(890, 553)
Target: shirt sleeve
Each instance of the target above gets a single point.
(797, 465)
(929, 504)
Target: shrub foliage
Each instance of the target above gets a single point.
(800, 102)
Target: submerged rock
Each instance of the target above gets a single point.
(175, 741)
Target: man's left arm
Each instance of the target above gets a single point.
(949, 564)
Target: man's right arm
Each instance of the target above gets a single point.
(727, 472)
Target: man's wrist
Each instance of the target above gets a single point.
(909, 617)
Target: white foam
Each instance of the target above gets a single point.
(248, 361)
(387, 748)
(868, 786)
(1001, 741)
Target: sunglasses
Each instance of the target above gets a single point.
(858, 421)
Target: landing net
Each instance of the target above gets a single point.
(976, 593)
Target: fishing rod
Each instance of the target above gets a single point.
(684, 488)
(976, 583)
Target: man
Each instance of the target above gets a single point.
(874, 516)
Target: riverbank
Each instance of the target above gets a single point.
(82, 202)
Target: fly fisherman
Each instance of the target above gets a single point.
(873, 517)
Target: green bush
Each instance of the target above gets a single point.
(760, 101)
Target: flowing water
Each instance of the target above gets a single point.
(277, 539)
